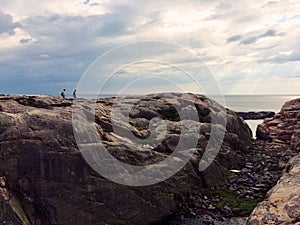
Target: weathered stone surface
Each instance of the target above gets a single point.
(282, 205)
(283, 128)
(295, 139)
(54, 184)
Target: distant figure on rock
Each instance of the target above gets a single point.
(74, 94)
(63, 94)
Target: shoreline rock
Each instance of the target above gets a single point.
(256, 115)
(283, 128)
(282, 202)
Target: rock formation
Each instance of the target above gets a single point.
(282, 203)
(283, 128)
(52, 183)
(256, 115)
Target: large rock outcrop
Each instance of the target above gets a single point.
(49, 182)
(284, 127)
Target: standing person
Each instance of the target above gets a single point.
(63, 94)
(74, 94)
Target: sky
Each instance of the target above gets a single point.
(239, 47)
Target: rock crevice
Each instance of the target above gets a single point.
(282, 203)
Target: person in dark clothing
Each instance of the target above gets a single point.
(74, 94)
(63, 94)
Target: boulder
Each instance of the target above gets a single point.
(47, 174)
(283, 128)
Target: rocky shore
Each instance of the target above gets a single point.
(282, 203)
(256, 115)
(284, 127)
(49, 181)
(238, 194)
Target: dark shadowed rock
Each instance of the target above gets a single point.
(54, 185)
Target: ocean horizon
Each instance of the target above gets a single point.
(238, 103)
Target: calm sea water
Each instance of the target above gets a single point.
(242, 103)
(245, 103)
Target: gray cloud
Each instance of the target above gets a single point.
(268, 33)
(74, 30)
(253, 39)
(70, 40)
(283, 58)
(73, 42)
(25, 40)
(249, 40)
(269, 3)
(6, 24)
(234, 38)
(87, 2)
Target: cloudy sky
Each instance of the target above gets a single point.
(249, 47)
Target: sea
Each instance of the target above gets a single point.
(239, 103)
(256, 103)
